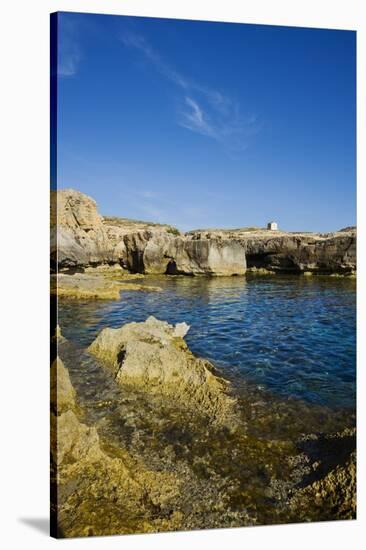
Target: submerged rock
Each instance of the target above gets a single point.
(329, 492)
(151, 464)
(153, 357)
(332, 497)
(93, 492)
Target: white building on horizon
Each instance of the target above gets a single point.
(272, 226)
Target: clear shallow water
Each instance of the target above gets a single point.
(295, 336)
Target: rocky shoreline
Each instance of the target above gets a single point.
(81, 238)
(163, 441)
(154, 357)
(103, 285)
(179, 450)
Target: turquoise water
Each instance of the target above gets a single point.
(292, 335)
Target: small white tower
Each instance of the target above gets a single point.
(272, 226)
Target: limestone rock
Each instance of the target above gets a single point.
(81, 237)
(161, 253)
(336, 492)
(62, 391)
(181, 330)
(330, 493)
(75, 441)
(97, 494)
(76, 210)
(95, 286)
(292, 252)
(153, 357)
(178, 471)
(78, 237)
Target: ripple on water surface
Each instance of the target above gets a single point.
(295, 336)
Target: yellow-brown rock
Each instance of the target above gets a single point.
(154, 357)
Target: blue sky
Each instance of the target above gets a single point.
(201, 124)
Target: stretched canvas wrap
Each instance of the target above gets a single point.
(203, 275)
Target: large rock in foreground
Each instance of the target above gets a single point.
(175, 470)
(94, 493)
(62, 391)
(153, 357)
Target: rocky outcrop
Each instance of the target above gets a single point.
(151, 464)
(161, 253)
(293, 252)
(93, 492)
(78, 236)
(329, 490)
(332, 496)
(324, 254)
(154, 357)
(81, 237)
(95, 286)
(62, 391)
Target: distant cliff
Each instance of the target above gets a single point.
(81, 237)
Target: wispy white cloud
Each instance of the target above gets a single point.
(194, 119)
(69, 52)
(69, 64)
(202, 110)
(137, 41)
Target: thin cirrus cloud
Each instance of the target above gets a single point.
(195, 119)
(69, 52)
(202, 110)
(68, 64)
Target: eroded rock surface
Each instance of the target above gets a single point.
(154, 357)
(81, 237)
(148, 464)
(78, 236)
(293, 252)
(97, 286)
(330, 489)
(95, 493)
(62, 391)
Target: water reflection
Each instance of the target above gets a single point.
(293, 335)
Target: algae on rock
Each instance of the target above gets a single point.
(62, 391)
(94, 493)
(95, 286)
(154, 357)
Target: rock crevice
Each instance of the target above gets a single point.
(153, 357)
(81, 237)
